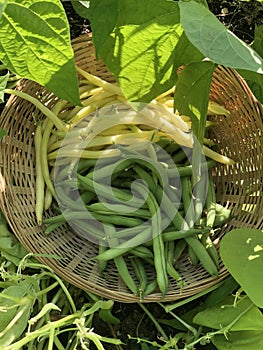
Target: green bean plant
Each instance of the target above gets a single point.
(38, 310)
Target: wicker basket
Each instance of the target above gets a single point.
(239, 187)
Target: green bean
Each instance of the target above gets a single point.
(120, 262)
(192, 256)
(48, 199)
(210, 203)
(104, 192)
(223, 215)
(164, 142)
(65, 200)
(120, 209)
(187, 199)
(100, 82)
(169, 252)
(210, 247)
(147, 162)
(125, 274)
(172, 147)
(125, 246)
(40, 183)
(102, 264)
(202, 255)
(220, 209)
(141, 275)
(47, 112)
(51, 227)
(43, 159)
(170, 210)
(108, 170)
(146, 177)
(158, 244)
(179, 156)
(117, 219)
(85, 229)
(217, 157)
(150, 288)
(173, 234)
(141, 252)
(179, 248)
(200, 191)
(78, 219)
(187, 170)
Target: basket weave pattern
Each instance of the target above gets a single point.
(239, 187)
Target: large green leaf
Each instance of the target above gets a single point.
(81, 7)
(191, 98)
(243, 316)
(242, 253)
(35, 44)
(145, 47)
(254, 81)
(214, 40)
(103, 18)
(258, 40)
(243, 340)
(192, 94)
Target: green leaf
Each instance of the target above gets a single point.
(103, 17)
(246, 314)
(228, 286)
(146, 46)
(258, 40)
(191, 98)
(81, 8)
(3, 83)
(3, 4)
(243, 340)
(254, 81)
(38, 46)
(192, 94)
(107, 316)
(215, 41)
(242, 253)
(17, 301)
(10, 248)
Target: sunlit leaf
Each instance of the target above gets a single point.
(38, 46)
(146, 46)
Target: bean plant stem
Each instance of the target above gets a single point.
(152, 318)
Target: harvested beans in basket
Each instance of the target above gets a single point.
(112, 189)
